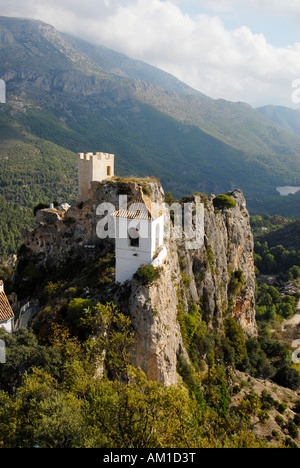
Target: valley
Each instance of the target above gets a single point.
(66, 96)
(132, 344)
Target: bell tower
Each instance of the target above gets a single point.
(139, 236)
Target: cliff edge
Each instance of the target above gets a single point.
(214, 281)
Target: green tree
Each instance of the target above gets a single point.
(75, 312)
(216, 393)
(40, 415)
(147, 274)
(111, 339)
(235, 336)
(288, 377)
(23, 352)
(222, 202)
(294, 272)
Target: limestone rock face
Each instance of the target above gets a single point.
(222, 271)
(153, 311)
(217, 277)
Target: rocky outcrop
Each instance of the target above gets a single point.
(217, 277)
(221, 273)
(153, 311)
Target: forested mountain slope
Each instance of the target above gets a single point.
(80, 98)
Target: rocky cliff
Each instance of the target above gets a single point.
(216, 280)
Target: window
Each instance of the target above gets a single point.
(134, 237)
(109, 170)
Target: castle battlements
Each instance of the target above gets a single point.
(97, 156)
(93, 168)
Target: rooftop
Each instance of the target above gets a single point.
(141, 207)
(6, 312)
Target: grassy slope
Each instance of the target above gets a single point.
(32, 170)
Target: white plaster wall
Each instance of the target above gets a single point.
(8, 325)
(93, 167)
(100, 164)
(128, 258)
(159, 222)
(158, 261)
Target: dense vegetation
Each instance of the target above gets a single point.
(268, 223)
(277, 296)
(75, 97)
(50, 397)
(32, 171)
(277, 260)
(67, 381)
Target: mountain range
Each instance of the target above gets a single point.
(66, 96)
(285, 117)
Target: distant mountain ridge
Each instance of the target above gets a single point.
(285, 117)
(83, 98)
(121, 67)
(288, 236)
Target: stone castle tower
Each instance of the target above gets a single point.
(93, 168)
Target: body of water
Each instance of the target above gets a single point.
(285, 191)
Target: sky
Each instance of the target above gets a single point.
(239, 50)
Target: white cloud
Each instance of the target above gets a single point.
(286, 6)
(232, 64)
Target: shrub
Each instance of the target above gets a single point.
(76, 312)
(221, 202)
(297, 419)
(51, 289)
(293, 430)
(280, 421)
(287, 377)
(147, 274)
(282, 407)
(289, 443)
(297, 407)
(186, 280)
(234, 334)
(267, 400)
(210, 256)
(237, 281)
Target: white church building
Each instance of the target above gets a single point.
(139, 227)
(139, 236)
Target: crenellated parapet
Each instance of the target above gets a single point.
(97, 156)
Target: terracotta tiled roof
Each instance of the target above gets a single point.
(141, 207)
(6, 312)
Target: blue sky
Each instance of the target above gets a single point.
(279, 26)
(233, 49)
(280, 29)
